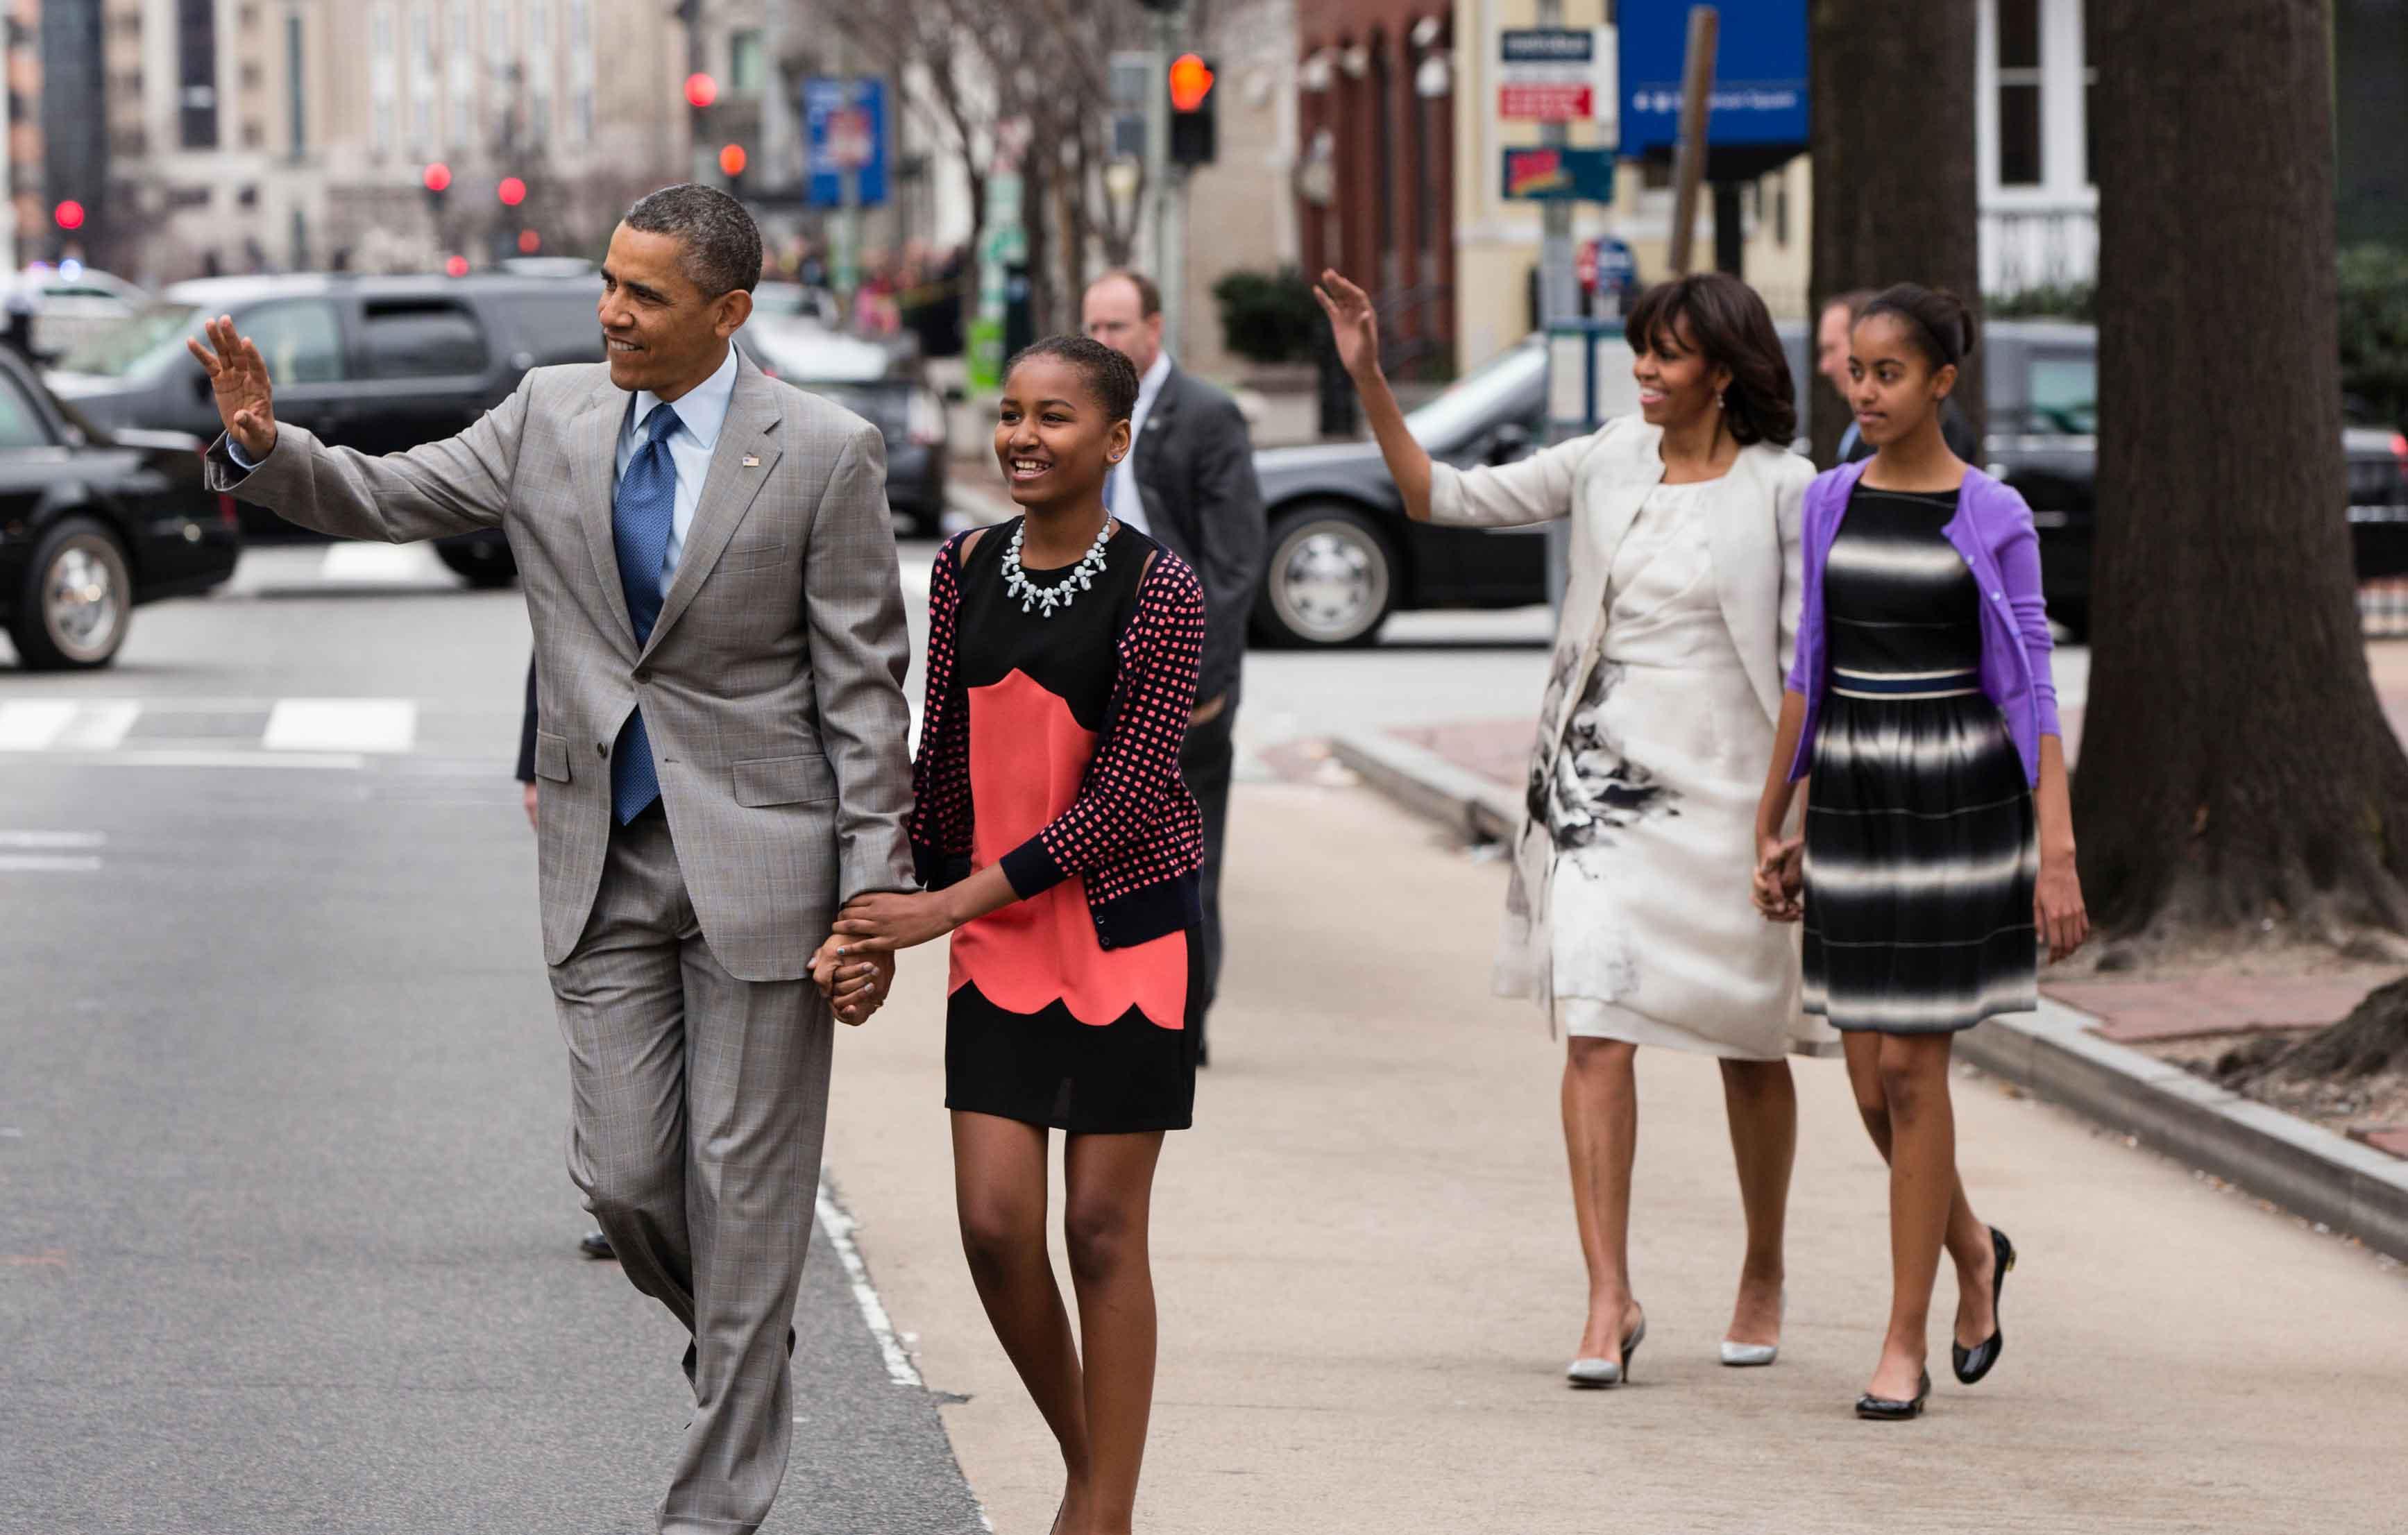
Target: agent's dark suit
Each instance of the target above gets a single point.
(1196, 473)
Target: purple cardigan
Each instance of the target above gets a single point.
(1993, 531)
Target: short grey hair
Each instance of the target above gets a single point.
(722, 244)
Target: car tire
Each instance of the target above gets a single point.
(1330, 582)
(77, 601)
(486, 565)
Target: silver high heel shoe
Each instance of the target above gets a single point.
(1604, 1373)
(1744, 1355)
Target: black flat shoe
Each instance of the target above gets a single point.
(1889, 1410)
(593, 1244)
(1975, 1362)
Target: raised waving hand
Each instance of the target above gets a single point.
(238, 377)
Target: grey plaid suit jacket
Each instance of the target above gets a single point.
(771, 687)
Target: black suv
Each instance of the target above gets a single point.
(380, 364)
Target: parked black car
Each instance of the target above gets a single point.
(95, 523)
(1343, 555)
(881, 384)
(379, 364)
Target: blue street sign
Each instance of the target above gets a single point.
(1616, 267)
(1760, 74)
(844, 127)
(1548, 173)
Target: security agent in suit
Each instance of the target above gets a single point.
(711, 572)
(1189, 482)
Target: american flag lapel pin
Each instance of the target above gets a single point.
(751, 461)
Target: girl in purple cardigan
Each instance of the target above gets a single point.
(1938, 850)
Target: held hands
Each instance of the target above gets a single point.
(855, 987)
(1780, 877)
(238, 377)
(881, 924)
(1353, 323)
(2057, 910)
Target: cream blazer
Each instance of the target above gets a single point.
(1600, 481)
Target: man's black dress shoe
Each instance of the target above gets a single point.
(593, 1244)
(1975, 1362)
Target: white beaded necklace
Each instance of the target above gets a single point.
(1081, 578)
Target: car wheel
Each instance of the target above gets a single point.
(484, 564)
(1331, 579)
(77, 602)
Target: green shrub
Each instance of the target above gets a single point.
(2067, 301)
(1269, 317)
(2375, 330)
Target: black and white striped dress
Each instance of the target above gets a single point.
(1921, 842)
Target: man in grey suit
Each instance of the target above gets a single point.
(719, 632)
(1189, 480)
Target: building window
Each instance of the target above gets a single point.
(251, 76)
(383, 78)
(255, 133)
(2019, 75)
(540, 66)
(748, 68)
(460, 83)
(498, 38)
(422, 79)
(196, 73)
(297, 117)
(581, 68)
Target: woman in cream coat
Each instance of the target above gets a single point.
(1660, 704)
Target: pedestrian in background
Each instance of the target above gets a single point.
(1189, 483)
(1832, 333)
(1938, 843)
(1061, 851)
(1665, 684)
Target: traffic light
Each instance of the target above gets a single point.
(70, 215)
(700, 91)
(732, 161)
(512, 192)
(1193, 134)
(438, 182)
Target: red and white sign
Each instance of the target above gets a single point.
(852, 144)
(1545, 101)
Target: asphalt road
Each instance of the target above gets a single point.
(286, 1241)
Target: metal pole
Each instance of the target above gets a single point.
(1558, 283)
(1166, 187)
(1696, 102)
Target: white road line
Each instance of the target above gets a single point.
(916, 576)
(53, 841)
(99, 726)
(45, 862)
(30, 724)
(839, 1226)
(341, 724)
(170, 757)
(380, 565)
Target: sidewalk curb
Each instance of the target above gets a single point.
(2307, 1169)
(1429, 785)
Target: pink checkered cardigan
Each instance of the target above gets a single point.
(1134, 835)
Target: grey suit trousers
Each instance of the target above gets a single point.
(697, 1102)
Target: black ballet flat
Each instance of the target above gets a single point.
(1975, 1362)
(1890, 1410)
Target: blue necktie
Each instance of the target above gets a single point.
(641, 520)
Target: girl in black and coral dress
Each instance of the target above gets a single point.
(1061, 851)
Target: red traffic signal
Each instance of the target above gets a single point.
(512, 192)
(732, 160)
(529, 242)
(456, 267)
(70, 214)
(701, 89)
(1190, 81)
(438, 176)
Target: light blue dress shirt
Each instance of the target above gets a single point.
(701, 411)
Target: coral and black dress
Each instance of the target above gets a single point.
(1051, 746)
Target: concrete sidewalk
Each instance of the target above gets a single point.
(1370, 1281)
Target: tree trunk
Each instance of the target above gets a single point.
(2237, 775)
(1894, 173)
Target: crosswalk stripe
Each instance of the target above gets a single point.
(53, 841)
(341, 724)
(98, 726)
(30, 724)
(45, 862)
